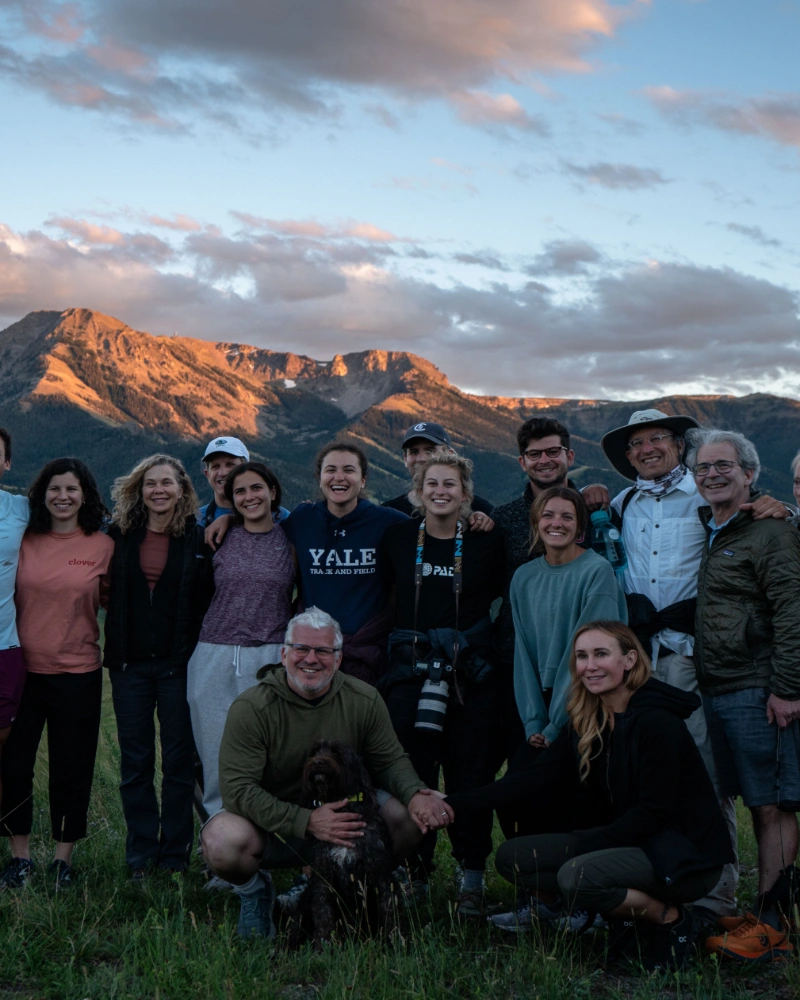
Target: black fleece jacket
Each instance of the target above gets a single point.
(647, 787)
(164, 623)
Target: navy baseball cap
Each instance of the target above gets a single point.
(428, 432)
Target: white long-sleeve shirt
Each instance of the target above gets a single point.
(664, 540)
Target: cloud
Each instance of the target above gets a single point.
(482, 259)
(637, 331)
(180, 223)
(228, 59)
(309, 227)
(775, 116)
(493, 111)
(89, 234)
(754, 233)
(618, 176)
(563, 258)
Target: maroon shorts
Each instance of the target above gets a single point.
(12, 681)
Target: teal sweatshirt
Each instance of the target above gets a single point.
(549, 603)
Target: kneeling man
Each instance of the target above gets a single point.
(268, 736)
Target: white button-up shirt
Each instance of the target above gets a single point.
(664, 540)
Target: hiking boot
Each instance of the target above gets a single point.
(752, 941)
(16, 873)
(670, 945)
(255, 913)
(289, 901)
(61, 873)
(470, 903)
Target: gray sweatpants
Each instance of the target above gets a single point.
(216, 676)
(680, 672)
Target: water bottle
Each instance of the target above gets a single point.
(606, 540)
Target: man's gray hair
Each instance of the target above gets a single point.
(746, 453)
(315, 618)
(796, 463)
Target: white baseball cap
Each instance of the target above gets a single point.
(228, 446)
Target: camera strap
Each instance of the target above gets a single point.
(458, 586)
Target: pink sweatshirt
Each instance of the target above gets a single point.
(61, 581)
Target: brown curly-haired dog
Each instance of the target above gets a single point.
(349, 886)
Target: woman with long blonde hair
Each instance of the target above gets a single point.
(646, 836)
(161, 585)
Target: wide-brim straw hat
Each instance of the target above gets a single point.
(614, 443)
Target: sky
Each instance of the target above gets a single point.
(578, 198)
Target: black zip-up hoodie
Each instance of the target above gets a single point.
(163, 624)
(647, 787)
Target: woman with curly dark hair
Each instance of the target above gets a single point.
(62, 580)
(161, 586)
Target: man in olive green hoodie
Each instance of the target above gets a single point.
(268, 735)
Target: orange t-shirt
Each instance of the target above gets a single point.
(58, 593)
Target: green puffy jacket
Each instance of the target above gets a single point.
(748, 607)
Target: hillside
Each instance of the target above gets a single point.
(79, 382)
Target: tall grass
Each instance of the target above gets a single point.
(169, 939)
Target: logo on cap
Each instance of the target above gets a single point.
(220, 442)
(420, 427)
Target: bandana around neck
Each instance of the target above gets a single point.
(658, 487)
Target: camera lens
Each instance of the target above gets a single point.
(432, 705)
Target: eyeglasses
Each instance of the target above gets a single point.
(638, 443)
(723, 467)
(323, 652)
(534, 454)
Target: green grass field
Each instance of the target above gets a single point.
(169, 939)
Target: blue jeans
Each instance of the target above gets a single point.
(155, 837)
(755, 758)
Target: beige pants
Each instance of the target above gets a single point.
(680, 672)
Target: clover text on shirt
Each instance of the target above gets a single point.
(82, 562)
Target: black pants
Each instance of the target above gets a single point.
(155, 837)
(69, 705)
(509, 731)
(597, 881)
(464, 752)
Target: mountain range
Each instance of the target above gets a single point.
(82, 383)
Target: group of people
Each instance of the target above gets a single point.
(629, 708)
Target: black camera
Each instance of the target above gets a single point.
(433, 669)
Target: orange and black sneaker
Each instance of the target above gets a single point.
(731, 923)
(752, 941)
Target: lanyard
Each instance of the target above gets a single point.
(458, 586)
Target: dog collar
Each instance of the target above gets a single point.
(358, 797)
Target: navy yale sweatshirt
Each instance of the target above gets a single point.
(338, 559)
